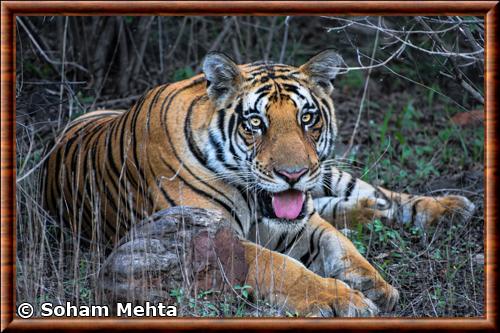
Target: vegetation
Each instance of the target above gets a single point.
(409, 78)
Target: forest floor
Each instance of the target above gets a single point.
(419, 143)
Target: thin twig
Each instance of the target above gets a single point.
(63, 76)
(270, 37)
(365, 90)
(285, 40)
(458, 74)
(42, 52)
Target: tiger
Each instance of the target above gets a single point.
(255, 142)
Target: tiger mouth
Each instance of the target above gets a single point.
(289, 205)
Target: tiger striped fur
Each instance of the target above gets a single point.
(252, 141)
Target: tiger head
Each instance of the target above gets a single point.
(272, 127)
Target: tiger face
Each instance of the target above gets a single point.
(272, 127)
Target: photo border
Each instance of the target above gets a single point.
(10, 9)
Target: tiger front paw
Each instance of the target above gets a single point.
(384, 296)
(341, 301)
(429, 210)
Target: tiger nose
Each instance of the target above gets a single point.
(291, 175)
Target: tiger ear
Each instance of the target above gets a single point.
(323, 68)
(223, 76)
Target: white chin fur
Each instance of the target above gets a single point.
(282, 225)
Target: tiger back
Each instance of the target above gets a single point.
(114, 168)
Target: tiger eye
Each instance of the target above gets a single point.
(306, 117)
(255, 121)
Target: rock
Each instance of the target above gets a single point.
(180, 247)
(479, 259)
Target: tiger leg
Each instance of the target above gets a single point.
(327, 252)
(344, 201)
(280, 279)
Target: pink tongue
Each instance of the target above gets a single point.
(288, 204)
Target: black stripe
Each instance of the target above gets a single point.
(305, 258)
(113, 175)
(327, 185)
(136, 151)
(110, 181)
(193, 147)
(340, 175)
(334, 210)
(350, 188)
(122, 149)
(217, 145)
(271, 73)
(318, 249)
(79, 171)
(295, 238)
(414, 210)
(153, 103)
(165, 106)
(254, 110)
(167, 197)
(99, 182)
(230, 130)
(281, 239)
(239, 108)
(293, 89)
(322, 210)
(220, 123)
(264, 88)
(219, 153)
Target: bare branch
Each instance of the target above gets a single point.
(41, 50)
(458, 73)
(365, 90)
(285, 40)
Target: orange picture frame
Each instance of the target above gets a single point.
(10, 9)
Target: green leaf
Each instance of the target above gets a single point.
(183, 73)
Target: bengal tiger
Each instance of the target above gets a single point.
(255, 142)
